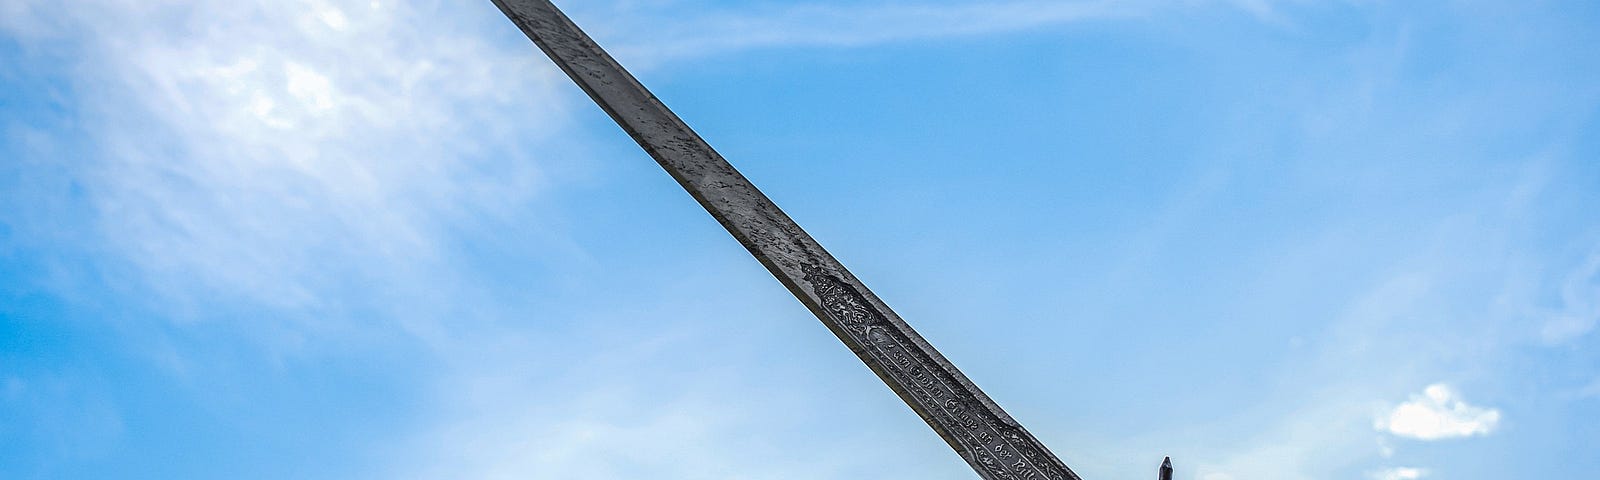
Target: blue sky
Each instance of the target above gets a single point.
(1293, 239)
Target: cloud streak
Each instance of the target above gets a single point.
(820, 25)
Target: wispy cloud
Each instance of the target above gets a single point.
(1580, 308)
(1438, 413)
(1399, 473)
(723, 30)
(615, 431)
(273, 152)
(1321, 435)
(296, 176)
(689, 29)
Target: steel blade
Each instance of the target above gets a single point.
(992, 442)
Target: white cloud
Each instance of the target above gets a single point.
(334, 18)
(1438, 413)
(1399, 473)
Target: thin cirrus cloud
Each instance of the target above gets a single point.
(831, 25)
(1438, 413)
(718, 30)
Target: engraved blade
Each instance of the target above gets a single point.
(994, 444)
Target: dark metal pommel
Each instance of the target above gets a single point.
(1166, 469)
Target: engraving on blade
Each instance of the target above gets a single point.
(988, 439)
(998, 447)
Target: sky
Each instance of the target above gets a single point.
(370, 239)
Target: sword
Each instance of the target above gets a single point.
(993, 443)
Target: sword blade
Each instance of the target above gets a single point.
(994, 444)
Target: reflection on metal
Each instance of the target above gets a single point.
(983, 434)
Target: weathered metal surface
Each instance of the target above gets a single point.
(1166, 469)
(989, 439)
